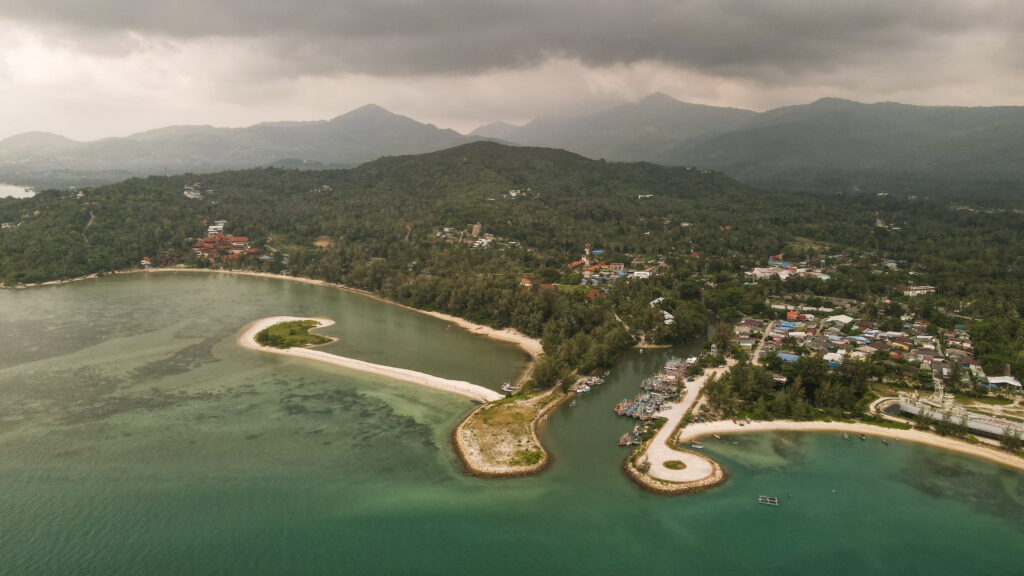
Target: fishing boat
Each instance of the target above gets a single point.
(583, 389)
(768, 500)
(717, 437)
(697, 445)
(625, 440)
(507, 387)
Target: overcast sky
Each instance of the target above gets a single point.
(94, 68)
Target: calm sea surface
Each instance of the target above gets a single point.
(9, 191)
(137, 438)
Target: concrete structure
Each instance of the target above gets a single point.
(942, 407)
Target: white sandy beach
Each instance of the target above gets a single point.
(720, 427)
(472, 391)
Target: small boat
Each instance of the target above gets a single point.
(696, 445)
(507, 387)
(625, 440)
(717, 437)
(768, 500)
(573, 403)
(884, 441)
(583, 389)
(863, 437)
(846, 436)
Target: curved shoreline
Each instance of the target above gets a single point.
(699, 472)
(472, 391)
(485, 471)
(916, 436)
(531, 346)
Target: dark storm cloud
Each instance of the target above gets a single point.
(762, 40)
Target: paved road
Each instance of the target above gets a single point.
(658, 452)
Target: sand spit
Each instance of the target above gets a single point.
(472, 391)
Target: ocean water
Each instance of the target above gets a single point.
(136, 437)
(9, 191)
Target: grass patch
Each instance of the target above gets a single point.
(675, 465)
(652, 428)
(526, 457)
(290, 335)
(993, 400)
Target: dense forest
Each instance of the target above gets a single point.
(401, 227)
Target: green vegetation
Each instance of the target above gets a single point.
(674, 465)
(652, 428)
(526, 457)
(291, 335)
(698, 232)
(993, 400)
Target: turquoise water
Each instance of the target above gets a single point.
(137, 438)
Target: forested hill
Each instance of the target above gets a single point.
(403, 228)
(567, 200)
(831, 145)
(358, 136)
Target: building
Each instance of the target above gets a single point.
(476, 230)
(221, 245)
(1005, 382)
(762, 273)
(942, 407)
(192, 192)
(839, 319)
(217, 228)
(914, 290)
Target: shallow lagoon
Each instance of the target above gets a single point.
(136, 437)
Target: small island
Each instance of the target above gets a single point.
(291, 334)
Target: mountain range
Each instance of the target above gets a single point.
(830, 145)
(359, 136)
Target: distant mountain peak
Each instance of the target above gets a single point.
(35, 137)
(367, 111)
(659, 98)
(499, 130)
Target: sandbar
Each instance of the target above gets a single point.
(247, 339)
